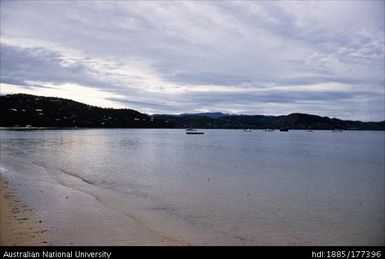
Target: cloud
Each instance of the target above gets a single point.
(171, 57)
(19, 65)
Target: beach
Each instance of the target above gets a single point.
(44, 211)
(18, 225)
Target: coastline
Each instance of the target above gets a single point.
(44, 211)
(176, 128)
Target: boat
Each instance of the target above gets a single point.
(283, 129)
(194, 131)
(247, 130)
(269, 130)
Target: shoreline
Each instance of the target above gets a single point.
(18, 225)
(181, 128)
(46, 211)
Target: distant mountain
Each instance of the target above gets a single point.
(38, 111)
(291, 121)
(212, 115)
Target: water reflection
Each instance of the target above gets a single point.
(295, 185)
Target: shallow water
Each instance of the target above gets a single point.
(228, 186)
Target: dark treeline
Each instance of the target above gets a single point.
(37, 111)
(291, 121)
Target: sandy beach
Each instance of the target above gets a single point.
(18, 225)
(44, 211)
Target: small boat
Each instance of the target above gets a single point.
(269, 130)
(247, 130)
(194, 131)
(283, 129)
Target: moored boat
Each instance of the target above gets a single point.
(194, 131)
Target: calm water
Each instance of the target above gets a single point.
(290, 187)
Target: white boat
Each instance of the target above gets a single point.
(193, 131)
(247, 130)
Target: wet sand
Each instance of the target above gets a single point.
(18, 226)
(46, 212)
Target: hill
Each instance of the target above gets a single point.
(291, 121)
(38, 111)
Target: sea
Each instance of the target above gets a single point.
(228, 186)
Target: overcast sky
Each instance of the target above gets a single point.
(265, 57)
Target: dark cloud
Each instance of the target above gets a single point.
(170, 56)
(36, 64)
(19, 66)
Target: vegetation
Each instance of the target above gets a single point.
(291, 121)
(36, 111)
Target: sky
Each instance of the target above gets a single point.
(240, 57)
